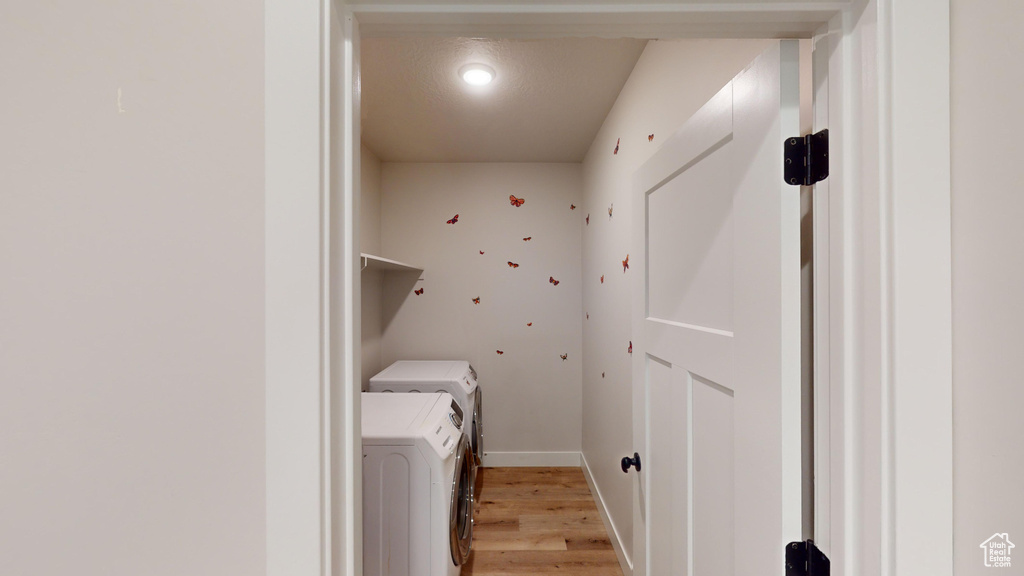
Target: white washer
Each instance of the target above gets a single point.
(455, 377)
(417, 495)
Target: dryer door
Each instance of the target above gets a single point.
(460, 524)
(477, 437)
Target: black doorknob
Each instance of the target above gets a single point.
(627, 462)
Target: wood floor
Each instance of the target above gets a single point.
(538, 521)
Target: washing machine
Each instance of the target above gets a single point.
(417, 485)
(455, 377)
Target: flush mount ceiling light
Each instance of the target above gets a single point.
(477, 74)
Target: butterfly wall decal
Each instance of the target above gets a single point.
(602, 278)
(602, 374)
(588, 315)
(563, 356)
(588, 219)
(517, 202)
(481, 251)
(572, 206)
(454, 219)
(553, 281)
(500, 351)
(513, 265)
(528, 238)
(610, 206)
(418, 292)
(616, 151)
(529, 323)
(630, 347)
(476, 300)
(625, 264)
(650, 137)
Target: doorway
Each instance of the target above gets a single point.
(844, 48)
(520, 235)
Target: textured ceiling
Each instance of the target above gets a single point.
(546, 103)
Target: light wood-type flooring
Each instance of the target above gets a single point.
(538, 521)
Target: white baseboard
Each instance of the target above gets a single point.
(625, 562)
(520, 459)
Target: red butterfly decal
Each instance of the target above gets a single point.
(602, 278)
(602, 374)
(588, 219)
(481, 251)
(563, 356)
(572, 206)
(588, 315)
(630, 347)
(529, 323)
(528, 238)
(513, 265)
(418, 292)
(625, 264)
(650, 137)
(476, 300)
(552, 280)
(517, 202)
(500, 351)
(454, 219)
(616, 151)
(610, 206)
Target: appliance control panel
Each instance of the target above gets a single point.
(456, 415)
(468, 380)
(445, 433)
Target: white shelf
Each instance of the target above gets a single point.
(372, 262)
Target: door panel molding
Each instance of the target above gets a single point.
(712, 126)
(703, 352)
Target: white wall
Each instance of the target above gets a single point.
(369, 201)
(371, 280)
(131, 288)
(988, 279)
(532, 397)
(671, 81)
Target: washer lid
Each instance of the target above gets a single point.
(399, 416)
(423, 370)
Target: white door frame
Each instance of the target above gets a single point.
(884, 276)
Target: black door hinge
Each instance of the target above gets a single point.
(804, 559)
(806, 159)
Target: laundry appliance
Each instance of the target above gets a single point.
(456, 377)
(417, 478)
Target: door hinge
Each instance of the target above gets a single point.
(804, 559)
(806, 159)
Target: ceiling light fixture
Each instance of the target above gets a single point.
(477, 74)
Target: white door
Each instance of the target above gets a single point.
(716, 320)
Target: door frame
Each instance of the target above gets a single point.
(882, 231)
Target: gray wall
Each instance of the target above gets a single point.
(131, 288)
(988, 278)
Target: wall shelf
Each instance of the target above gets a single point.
(372, 262)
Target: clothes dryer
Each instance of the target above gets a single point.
(417, 485)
